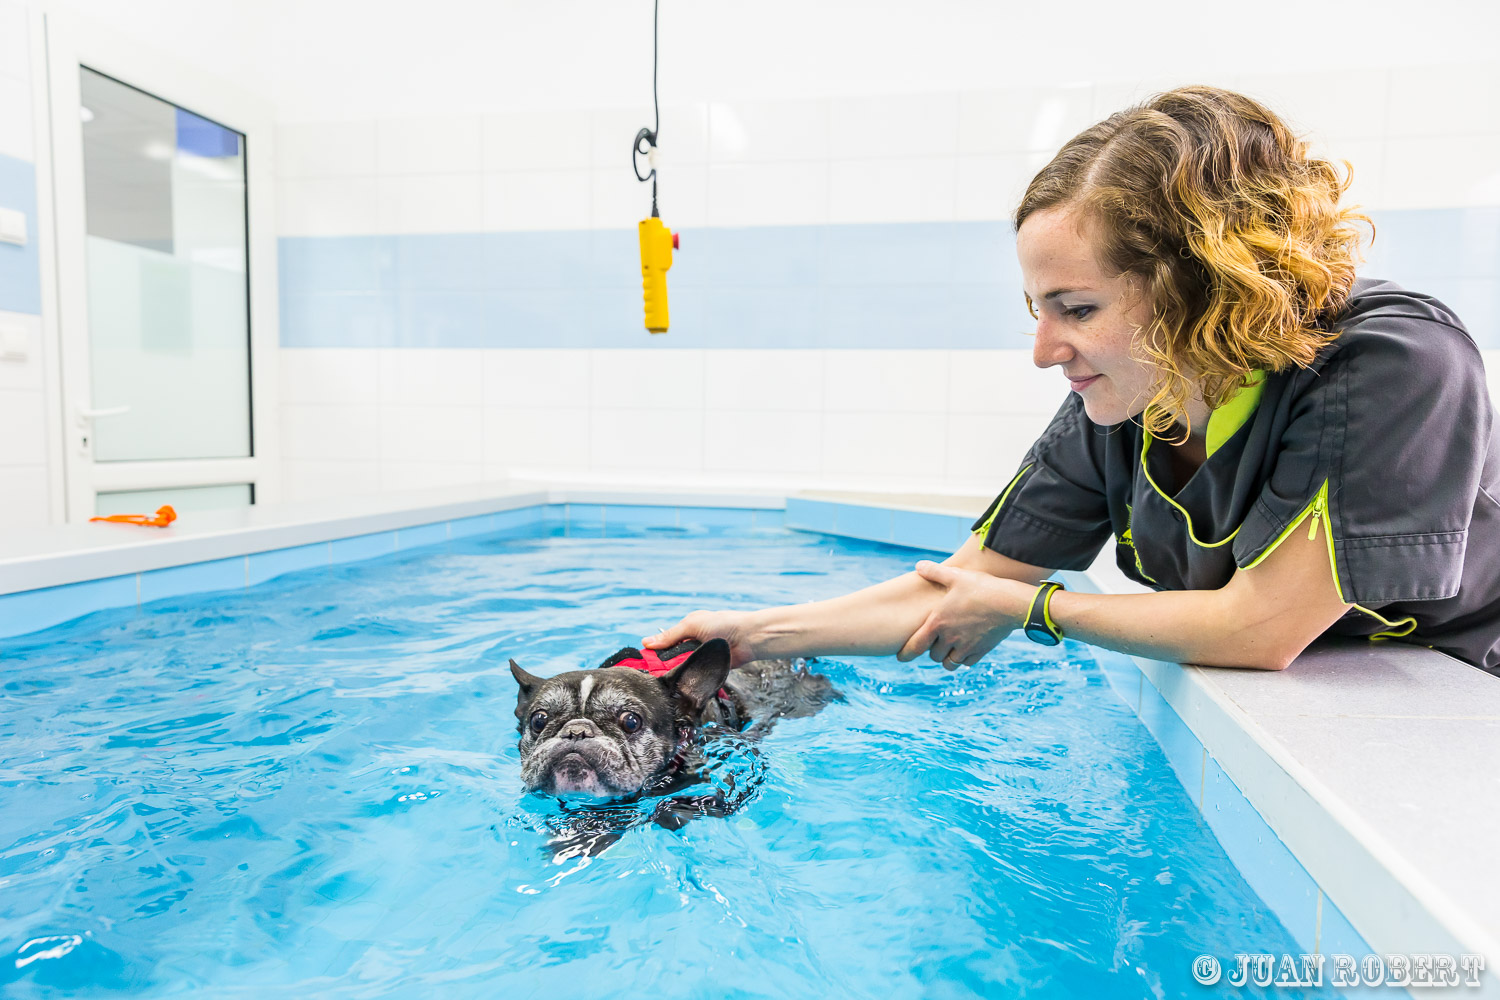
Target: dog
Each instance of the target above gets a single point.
(635, 728)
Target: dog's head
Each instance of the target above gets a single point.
(611, 732)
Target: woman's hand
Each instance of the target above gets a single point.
(731, 626)
(976, 611)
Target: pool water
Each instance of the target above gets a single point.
(310, 789)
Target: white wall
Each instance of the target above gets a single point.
(26, 491)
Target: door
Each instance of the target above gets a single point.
(165, 276)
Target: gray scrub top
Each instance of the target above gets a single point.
(1383, 446)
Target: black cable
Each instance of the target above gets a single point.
(650, 135)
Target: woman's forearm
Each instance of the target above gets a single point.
(1187, 626)
(870, 622)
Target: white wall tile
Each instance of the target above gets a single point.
(452, 203)
(917, 189)
(538, 140)
(328, 374)
(1117, 95)
(763, 381)
(984, 451)
(535, 377)
(647, 380)
(25, 374)
(326, 149)
(327, 206)
(1331, 104)
(768, 194)
(1023, 119)
(549, 438)
(761, 441)
(16, 138)
(1444, 101)
(914, 381)
(431, 376)
(619, 201)
(645, 440)
(14, 41)
(1452, 172)
(436, 434)
(338, 431)
(1367, 158)
(23, 416)
(428, 475)
(24, 496)
(324, 479)
(899, 124)
(990, 187)
(1492, 373)
(903, 448)
(1002, 382)
(760, 131)
(683, 136)
(446, 144)
(529, 200)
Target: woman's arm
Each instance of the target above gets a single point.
(1263, 618)
(876, 621)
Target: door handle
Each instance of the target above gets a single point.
(87, 413)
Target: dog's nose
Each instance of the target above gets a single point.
(579, 729)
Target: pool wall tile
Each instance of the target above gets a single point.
(1182, 749)
(918, 530)
(768, 518)
(1268, 866)
(873, 524)
(265, 565)
(715, 517)
(810, 515)
(464, 527)
(632, 515)
(1336, 935)
(422, 534)
(585, 519)
(344, 550)
(34, 610)
(194, 578)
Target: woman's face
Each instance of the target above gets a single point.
(1086, 319)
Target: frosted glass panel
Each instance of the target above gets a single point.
(183, 499)
(168, 299)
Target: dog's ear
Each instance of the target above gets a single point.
(695, 682)
(528, 684)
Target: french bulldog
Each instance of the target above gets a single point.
(633, 728)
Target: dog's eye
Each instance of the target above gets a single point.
(630, 722)
(538, 721)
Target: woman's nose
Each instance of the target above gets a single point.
(1050, 346)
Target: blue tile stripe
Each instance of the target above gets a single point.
(20, 272)
(940, 285)
(910, 529)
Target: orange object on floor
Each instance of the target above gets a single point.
(164, 516)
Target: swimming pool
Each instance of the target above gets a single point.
(310, 788)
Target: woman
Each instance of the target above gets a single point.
(1280, 450)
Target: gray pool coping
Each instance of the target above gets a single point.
(1365, 759)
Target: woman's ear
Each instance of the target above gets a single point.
(694, 683)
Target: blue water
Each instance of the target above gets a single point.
(309, 789)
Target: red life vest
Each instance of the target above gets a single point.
(653, 664)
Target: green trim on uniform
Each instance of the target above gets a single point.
(984, 529)
(1318, 508)
(1235, 413)
(1146, 440)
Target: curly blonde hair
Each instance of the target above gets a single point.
(1236, 234)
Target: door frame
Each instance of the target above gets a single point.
(71, 43)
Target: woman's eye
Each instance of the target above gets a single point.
(538, 721)
(1079, 312)
(630, 722)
